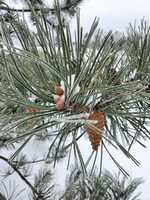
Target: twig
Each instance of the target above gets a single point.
(20, 174)
(53, 10)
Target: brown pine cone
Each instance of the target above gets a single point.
(95, 135)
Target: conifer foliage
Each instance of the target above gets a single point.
(57, 87)
(107, 187)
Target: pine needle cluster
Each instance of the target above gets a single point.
(97, 72)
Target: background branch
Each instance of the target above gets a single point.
(53, 10)
(20, 174)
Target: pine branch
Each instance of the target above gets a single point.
(20, 174)
(96, 79)
(108, 186)
(68, 6)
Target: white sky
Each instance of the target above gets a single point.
(114, 14)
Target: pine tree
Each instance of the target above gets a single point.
(107, 187)
(68, 7)
(55, 88)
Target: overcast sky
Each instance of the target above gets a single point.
(114, 14)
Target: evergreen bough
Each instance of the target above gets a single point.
(112, 78)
